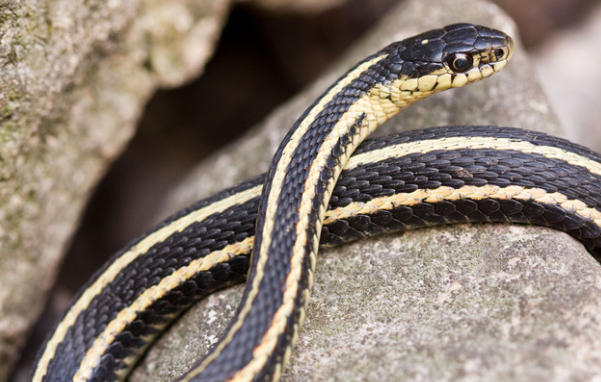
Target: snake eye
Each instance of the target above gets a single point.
(461, 62)
(499, 53)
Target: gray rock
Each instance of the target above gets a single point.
(465, 303)
(572, 85)
(75, 77)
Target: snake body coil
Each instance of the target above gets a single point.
(205, 247)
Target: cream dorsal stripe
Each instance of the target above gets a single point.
(303, 125)
(466, 193)
(576, 158)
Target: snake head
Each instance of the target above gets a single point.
(448, 57)
(474, 52)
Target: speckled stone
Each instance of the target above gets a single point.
(75, 77)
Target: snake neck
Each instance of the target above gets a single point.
(298, 188)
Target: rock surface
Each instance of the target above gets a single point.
(463, 303)
(571, 83)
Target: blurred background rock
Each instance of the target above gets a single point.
(266, 56)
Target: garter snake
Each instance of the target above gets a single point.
(206, 246)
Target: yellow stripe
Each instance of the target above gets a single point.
(270, 213)
(456, 143)
(109, 275)
(151, 295)
(466, 192)
(269, 341)
(377, 111)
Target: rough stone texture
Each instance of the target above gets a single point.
(571, 83)
(464, 303)
(74, 77)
